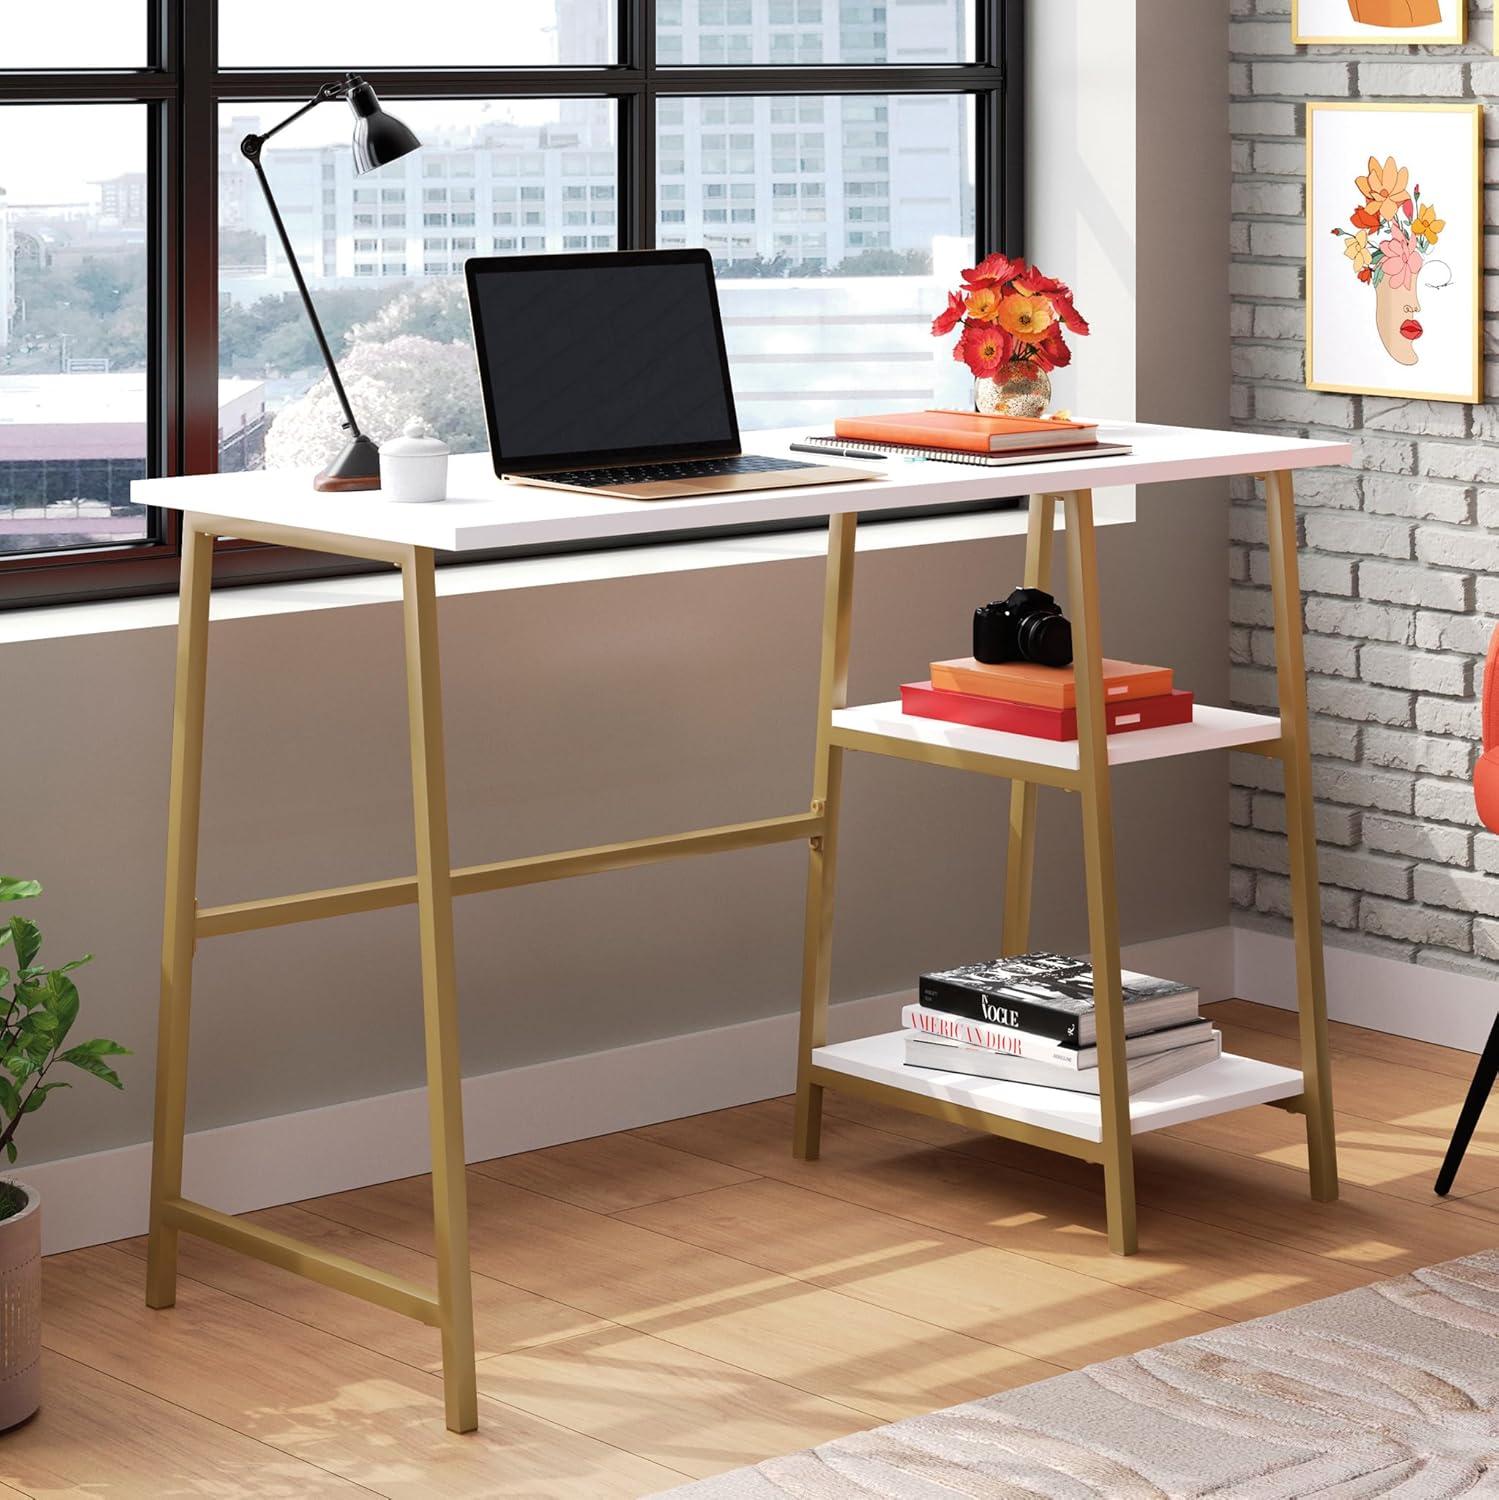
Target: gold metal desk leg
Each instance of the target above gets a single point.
(822, 857)
(1020, 856)
(178, 929)
(1301, 833)
(1098, 855)
(439, 991)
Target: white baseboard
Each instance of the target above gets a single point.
(89, 1200)
(92, 1199)
(1368, 989)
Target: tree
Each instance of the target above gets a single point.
(389, 382)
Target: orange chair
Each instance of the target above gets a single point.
(1486, 796)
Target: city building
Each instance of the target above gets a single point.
(7, 272)
(124, 201)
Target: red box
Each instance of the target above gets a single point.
(923, 701)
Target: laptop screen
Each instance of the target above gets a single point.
(593, 359)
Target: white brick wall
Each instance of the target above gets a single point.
(1400, 553)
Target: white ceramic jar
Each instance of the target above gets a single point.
(414, 466)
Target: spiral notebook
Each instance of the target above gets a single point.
(962, 456)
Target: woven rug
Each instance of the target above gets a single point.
(1390, 1390)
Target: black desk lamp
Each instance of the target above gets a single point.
(378, 138)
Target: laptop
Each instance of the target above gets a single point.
(607, 373)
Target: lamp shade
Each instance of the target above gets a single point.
(378, 137)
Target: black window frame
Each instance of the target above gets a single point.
(183, 88)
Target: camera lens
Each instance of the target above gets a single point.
(1046, 640)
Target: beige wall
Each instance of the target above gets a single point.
(585, 713)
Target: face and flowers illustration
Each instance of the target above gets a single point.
(1389, 249)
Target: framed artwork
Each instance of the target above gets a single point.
(1394, 258)
(1371, 23)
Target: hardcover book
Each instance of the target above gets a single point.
(981, 1035)
(973, 432)
(1051, 994)
(1047, 687)
(953, 1057)
(923, 701)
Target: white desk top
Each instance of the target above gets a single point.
(482, 512)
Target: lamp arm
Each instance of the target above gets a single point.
(252, 143)
(250, 147)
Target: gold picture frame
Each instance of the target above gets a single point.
(1471, 391)
(1399, 36)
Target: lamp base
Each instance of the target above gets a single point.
(356, 468)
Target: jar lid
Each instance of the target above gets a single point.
(415, 441)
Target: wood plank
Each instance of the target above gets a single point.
(1043, 1310)
(96, 1434)
(505, 1317)
(1214, 1270)
(882, 1363)
(665, 1402)
(611, 1172)
(329, 1402)
(1400, 1052)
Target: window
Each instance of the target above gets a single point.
(807, 189)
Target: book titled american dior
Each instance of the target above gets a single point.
(1031, 1020)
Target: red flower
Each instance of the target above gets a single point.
(1363, 219)
(993, 270)
(1366, 274)
(1059, 294)
(984, 347)
(949, 317)
(1052, 352)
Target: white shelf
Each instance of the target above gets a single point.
(1210, 729)
(1231, 1082)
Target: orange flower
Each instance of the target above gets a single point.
(983, 304)
(1363, 219)
(984, 347)
(1027, 318)
(993, 270)
(1385, 188)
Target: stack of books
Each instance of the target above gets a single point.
(969, 437)
(1023, 698)
(1030, 1020)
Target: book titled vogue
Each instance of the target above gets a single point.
(1143, 1073)
(980, 1035)
(1051, 995)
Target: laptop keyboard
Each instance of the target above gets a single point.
(695, 468)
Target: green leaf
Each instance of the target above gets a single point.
(19, 1066)
(10, 1098)
(100, 1047)
(10, 1151)
(37, 1097)
(27, 938)
(77, 963)
(13, 889)
(62, 1002)
(91, 1064)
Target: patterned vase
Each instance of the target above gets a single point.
(1021, 389)
(20, 1309)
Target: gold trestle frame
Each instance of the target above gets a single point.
(1092, 782)
(435, 884)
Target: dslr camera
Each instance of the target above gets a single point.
(1028, 626)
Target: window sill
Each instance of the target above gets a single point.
(109, 617)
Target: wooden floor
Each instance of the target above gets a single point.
(685, 1298)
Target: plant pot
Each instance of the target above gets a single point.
(1020, 389)
(20, 1309)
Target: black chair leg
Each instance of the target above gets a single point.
(1467, 1121)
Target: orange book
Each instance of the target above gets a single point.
(966, 431)
(1048, 687)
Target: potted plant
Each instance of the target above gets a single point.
(38, 1007)
(1012, 318)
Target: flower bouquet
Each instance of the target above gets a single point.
(1012, 317)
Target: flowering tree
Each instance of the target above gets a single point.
(414, 358)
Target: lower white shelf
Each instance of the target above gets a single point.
(1232, 1082)
(1210, 729)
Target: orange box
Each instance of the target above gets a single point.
(1048, 687)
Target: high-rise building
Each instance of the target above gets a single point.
(7, 272)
